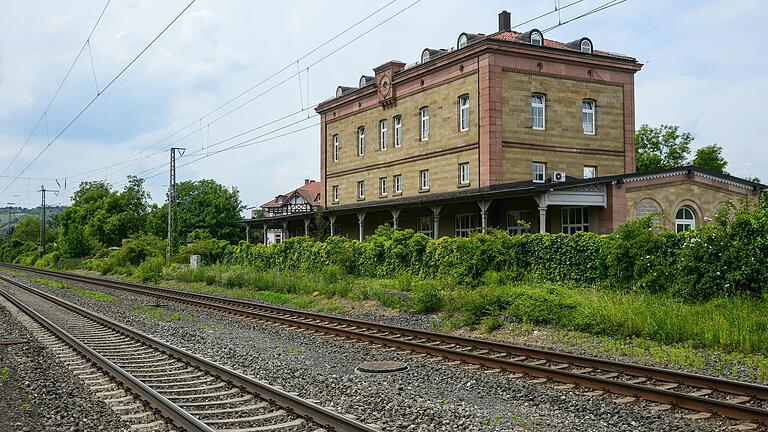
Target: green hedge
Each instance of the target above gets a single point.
(726, 257)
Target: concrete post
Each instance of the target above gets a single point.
(395, 217)
(306, 226)
(332, 219)
(542, 200)
(248, 232)
(265, 234)
(361, 221)
(285, 230)
(436, 221)
(484, 205)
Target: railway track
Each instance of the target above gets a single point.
(186, 391)
(667, 388)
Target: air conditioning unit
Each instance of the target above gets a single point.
(558, 176)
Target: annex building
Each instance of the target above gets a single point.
(508, 130)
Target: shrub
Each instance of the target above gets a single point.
(427, 297)
(151, 270)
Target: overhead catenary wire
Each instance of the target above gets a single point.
(259, 83)
(109, 84)
(602, 7)
(58, 89)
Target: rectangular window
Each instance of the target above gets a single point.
(590, 171)
(383, 135)
(383, 186)
(398, 131)
(588, 116)
(424, 176)
(518, 222)
(425, 226)
(425, 123)
(335, 193)
(539, 172)
(361, 190)
(398, 184)
(537, 111)
(575, 219)
(361, 141)
(335, 148)
(464, 225)
(464, 173)
(464, 113)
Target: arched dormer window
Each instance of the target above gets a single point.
(462, 41)
(363, 81)
(425, 56)
(339, 91)
(536, 38)
(586, 46)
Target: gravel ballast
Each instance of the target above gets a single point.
(427, 396)
(38, 393)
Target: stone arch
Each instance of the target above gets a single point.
(646, 206)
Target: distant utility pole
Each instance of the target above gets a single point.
(10, 216)
(172, 196)
(43, 190)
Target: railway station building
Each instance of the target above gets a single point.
(508, 130)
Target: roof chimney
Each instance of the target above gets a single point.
(308, 181)
(505, 21)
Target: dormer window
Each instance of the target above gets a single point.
(586, 46)
(339, 91)
(536, 38)
(363, 81)
(425, 56)
(462, 41)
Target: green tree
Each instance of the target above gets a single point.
(711, 157)
(27, 230)
(201, 206)
(661, 147)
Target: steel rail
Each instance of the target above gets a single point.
(304, 320)
(301, 407)
(166, 408)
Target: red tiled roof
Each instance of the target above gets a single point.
(309, 191)
(512, 36)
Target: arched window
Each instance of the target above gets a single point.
(536, 38)
(425, 56)
(586, 46)
(684, 219)
(339, 91)
(462, 41)
(363, 81)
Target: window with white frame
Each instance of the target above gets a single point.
(383, 135)
(586, 46)
(684, 219)
(361, 141)
(464, 113)
(398, 179)
(575, 219)
(539, 171)
(590, 171)
(518, 221)
(538, 107)
(425, 225)
(462, 41)
(336, 149)
(383, 186)
(464, 225)
(361, 189)
(588, 116)
(424, 176)
(335, 193)
(536, 38)
(464, 173)
(425, 123)
(398, 121)
(425, 56)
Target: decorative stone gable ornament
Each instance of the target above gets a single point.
(384, 75)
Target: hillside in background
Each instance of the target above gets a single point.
(10, 216)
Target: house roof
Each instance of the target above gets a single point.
(523, 39)
(310, 191)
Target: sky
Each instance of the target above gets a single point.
(704, 70)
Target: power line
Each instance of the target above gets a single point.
(99, 94)
(602, 7)
(58, 89)
(263, 81)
